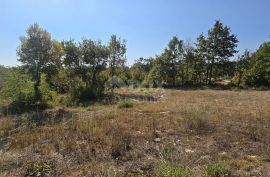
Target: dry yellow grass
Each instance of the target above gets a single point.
(190, 128)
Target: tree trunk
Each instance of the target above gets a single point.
(174, 78)
(37, 84)
(207, 75)
(240, 79)
(36, 89)
(211, 72)
(94, 76)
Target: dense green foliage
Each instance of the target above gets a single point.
(69, 72)
(216, 49)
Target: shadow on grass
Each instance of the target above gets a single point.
(46, 117)
(21, 106)
(29, 111)
(215, 86)
(42, 118)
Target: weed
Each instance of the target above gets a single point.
(166, 170)
(168, 151)
(38, 169)
(217, 170)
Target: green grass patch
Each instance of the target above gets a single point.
(217, 170)
(38, 169)
(166, 170)
(126, 103)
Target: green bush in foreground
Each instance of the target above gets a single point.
(217, 170)
(38, 169)
(167, 170)
(125, 103)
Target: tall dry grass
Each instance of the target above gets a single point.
(186, 128)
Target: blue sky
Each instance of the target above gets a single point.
(147, 25)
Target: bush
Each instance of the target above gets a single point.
(217, 170)
(38, 169)
(197, 120)
(127, 103)
(167, 170)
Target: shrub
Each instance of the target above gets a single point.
(167, 170)
(217, 170)
(197, 120)
(127, 103)
(38, 169)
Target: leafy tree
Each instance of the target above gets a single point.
(72, 59)
(141, 68)
(219, 45)
(242, 65)
(55, 66)
(95, 56)
(35, 53)
(189, 63)
(259, 73)
(198, 67)
(173, 59)
(73, 68)
(166, 66)
(72, 54)
(158, 74)
(117, 51)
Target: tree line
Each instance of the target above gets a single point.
(210, 59)
(72, 71)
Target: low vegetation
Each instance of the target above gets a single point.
(38, 169)
(126, 103)
(217, 170)
(184, 133)
(166, 170)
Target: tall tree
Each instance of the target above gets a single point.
(166, 66)
(117, 51)
(73, 68)
(141, 68)
(35, 52)
(242, 65)
(72, 58)
(55, 64)
(95, 56)
(188, 62)
(219, 45)
(174, 56)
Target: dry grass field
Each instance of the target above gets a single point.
(208, 133)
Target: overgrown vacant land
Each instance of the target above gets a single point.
(183, 133)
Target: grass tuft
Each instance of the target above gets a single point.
(217, 170)
(166, 170)
(38, 169)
